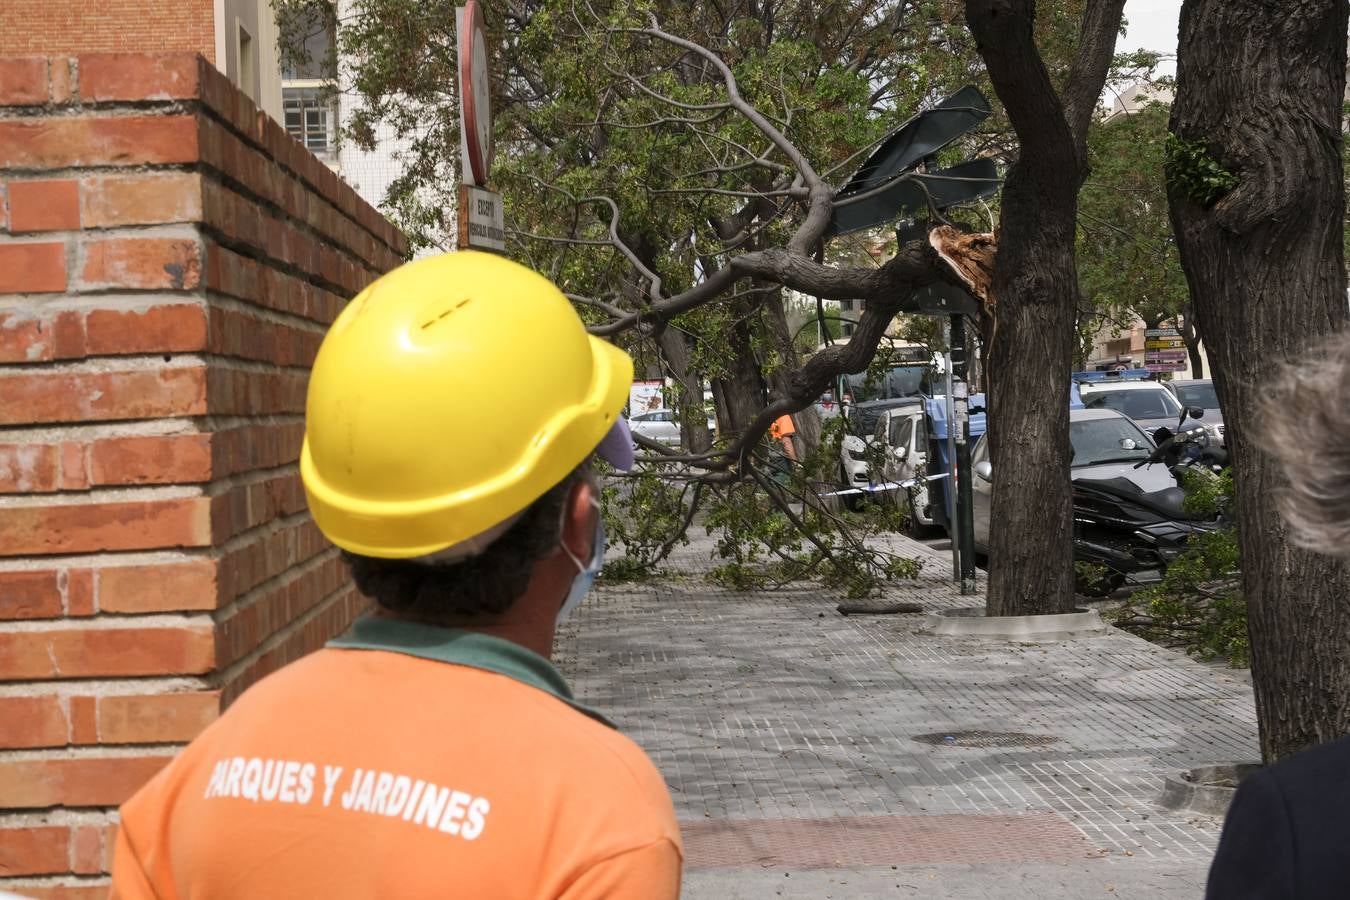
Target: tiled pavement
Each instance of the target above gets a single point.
(786, 732)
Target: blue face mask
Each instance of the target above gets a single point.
(581, 585)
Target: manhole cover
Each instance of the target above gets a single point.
(986, 739)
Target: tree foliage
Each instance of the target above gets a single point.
(1128, 261)
(1198, 603)
(672, 166)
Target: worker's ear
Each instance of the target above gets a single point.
(580, 513)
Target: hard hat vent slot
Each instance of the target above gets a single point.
(447, 311)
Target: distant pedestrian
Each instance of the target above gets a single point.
(1288, 830)
(784, 431)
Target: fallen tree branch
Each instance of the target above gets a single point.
(855, 608)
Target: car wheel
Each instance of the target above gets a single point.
(916, 528)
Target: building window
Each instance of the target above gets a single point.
(248, 66)
(309, 117)
(308, 40)
(308, 35)
(848, 321)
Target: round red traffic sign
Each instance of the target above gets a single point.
(474, 97)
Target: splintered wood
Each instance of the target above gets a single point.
(971, 257)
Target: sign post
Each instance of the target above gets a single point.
(1164, 350)
(479, 215)
(960, 424)
(948, 490)
(475, 96)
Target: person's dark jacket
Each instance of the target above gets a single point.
(1287, 834)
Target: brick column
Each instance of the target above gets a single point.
(169, 260)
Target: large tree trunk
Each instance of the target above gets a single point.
(807, 420)
(693, 421)
(742, 391)
(1260, 88)
(1030, 552)
(1035, 293)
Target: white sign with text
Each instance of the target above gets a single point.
(482, 223)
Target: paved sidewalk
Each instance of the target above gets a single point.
(787, 733)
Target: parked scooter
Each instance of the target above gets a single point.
(1126, 532)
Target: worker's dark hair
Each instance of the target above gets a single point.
(483, 585)
(1306, 426)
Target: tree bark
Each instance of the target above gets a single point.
(1035, 290)
(743, 389)
(1197, 361)
(1191, 337)
(807, 420)
(693, 422)
(1260, 86)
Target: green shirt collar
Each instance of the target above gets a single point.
(462, 648)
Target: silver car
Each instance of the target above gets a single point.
(663, 425)
(1198, 393)
(658, 425)
(1105, 444)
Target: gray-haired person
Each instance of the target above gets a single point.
(1288, 831)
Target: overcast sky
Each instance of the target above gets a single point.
(1152, 26)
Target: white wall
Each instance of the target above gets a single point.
(371, 172)
(263, 78)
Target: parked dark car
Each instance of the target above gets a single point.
(1106, 445)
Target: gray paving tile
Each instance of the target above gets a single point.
(770, 704)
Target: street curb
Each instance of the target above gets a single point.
(972, 622)
(1190, 790)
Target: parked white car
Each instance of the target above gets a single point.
(870, 424)
(1148, 403)
(905, 436)
(663, 425)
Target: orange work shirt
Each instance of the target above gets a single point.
(404, 761)
(782, 427)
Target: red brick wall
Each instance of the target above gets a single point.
(169, 260)
(88, 26)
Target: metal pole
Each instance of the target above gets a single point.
(949, 487)
(961, 424)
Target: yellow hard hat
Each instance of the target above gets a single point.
(447, 397)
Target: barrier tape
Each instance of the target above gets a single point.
(885, 486)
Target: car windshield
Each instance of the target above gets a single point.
(1137, 404)
(1201, 395)
(1098, 441)
(900, 381)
